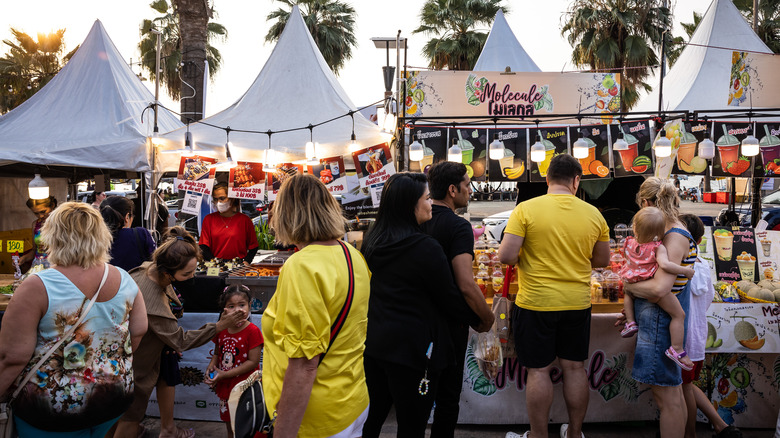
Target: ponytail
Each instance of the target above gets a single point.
(662, 194)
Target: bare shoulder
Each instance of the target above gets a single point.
(30, 297)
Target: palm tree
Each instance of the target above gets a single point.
(768, 20)
(186, 33)
(29, 65)
(618, 35)
(457, 43)
(678, 43)
(331, 24)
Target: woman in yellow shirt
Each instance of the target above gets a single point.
(312, 398)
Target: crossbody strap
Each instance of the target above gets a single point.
(72, 329)
(335, 328)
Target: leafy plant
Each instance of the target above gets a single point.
(265, 239)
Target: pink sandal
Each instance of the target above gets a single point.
(675, 356)
(629, 330)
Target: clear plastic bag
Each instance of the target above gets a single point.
(487, 351)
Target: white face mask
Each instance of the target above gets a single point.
(223, 206)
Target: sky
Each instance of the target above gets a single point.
(536, 24)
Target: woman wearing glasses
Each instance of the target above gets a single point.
(227, 233)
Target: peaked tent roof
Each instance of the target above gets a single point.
(700, 77)
(502, 49)
(295, 88)
(88, 115)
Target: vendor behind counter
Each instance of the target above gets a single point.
(227, 233)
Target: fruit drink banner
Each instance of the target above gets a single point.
(637, 160)
(512, 166)
(195, 175)
(473, 145)
(729, 160)
(768, 134)
(332, 173)
(688, 161)
(374, 165)
(734, 253)
(275, 179)
(434, 141)
(521, 94)
(596, 164)
(247, 181)
(555, 141)
(754, 81)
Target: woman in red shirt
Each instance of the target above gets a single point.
(227, 233)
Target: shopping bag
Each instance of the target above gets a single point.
(7, 429)
(248, 412)
(487, 351)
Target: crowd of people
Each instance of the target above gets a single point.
(349, 334)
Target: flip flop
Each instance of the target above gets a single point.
(675, 356)
(629, 330)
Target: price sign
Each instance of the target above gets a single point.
(213, 271)
(15, 246)
(1, 245)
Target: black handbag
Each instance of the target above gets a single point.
(251, 413)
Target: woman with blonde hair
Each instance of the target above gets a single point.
(651, 366)
(313, 371)
(87, 383)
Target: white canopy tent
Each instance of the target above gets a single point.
(91, 114)
(700, 77)
(502, 49)
(295, 88)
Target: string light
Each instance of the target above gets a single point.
(416, 152)
(538, 151)
(38, 187)
(311, 148)
(496, 147)
(706, 146)
(455, 153)
(620, 144)
(353, 144)
(228, 163)
(269, 156)
(750, 144)
(663, 146)
(580, 147)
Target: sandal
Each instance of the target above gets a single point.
(182, 433)
(629, 330)
(675, 356)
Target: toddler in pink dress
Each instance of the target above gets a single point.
(644, 255)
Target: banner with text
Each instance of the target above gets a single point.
(332, 173)
(373, 165)
(637, 159)
(555, 141)
(275, 179)
(522, 94)
(596, 164)
(247, 181)
(195, 175)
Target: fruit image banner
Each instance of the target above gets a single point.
(688, 162)
(374, 165)
(729, 160)
(672, 131)
(754, 80)
(332, 173)
(768, 135)
(768, 249)
(472, 142)
(521, 94)
(743, 328)
(513, 166)
(555, 141)
(275, 179)
(735, 253)
(434, 141)
(246, 181)
(596, 164)
(195, 175)
(637, 160)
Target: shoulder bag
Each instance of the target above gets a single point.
(247, 406)
(6, 414)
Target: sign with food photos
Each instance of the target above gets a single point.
(513, 165)
(373, 165)
(637, 159)
(472, 143)
(195, 174)
(687, 161)
(768, 134)
(275, 179)
(555, 141)
(596, 164)
(246, 181)
(735, 253)
(434, 142)
(729, 160)
(332, 173)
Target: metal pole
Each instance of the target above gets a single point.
(663, 67)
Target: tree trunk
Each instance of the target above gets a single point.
(193, 25)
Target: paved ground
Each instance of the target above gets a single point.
(639, 429)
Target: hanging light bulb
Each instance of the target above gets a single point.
(38, 188)
(663, 146)
(580, 147)
(496, 148)
(750, 145)
(620, 144)
(269, 156)
(353, 144)
(228, 163)
(538, 151)
(707, 147)
(311, 149)
(455, 153)
(416, 152)
(187, 151)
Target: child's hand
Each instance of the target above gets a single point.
(212, 375)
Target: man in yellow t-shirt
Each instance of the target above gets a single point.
(555, 240)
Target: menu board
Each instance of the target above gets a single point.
(246, 181)
(596, 164)
(434, 142)
(637, 159)
(513, 165)
(332, 173)
(195, 174)
(735, 253)
(729, 160)
(687, 161)
(555, 141)
(768, 135)
(275, 179)
(472, 142)
(374, 165)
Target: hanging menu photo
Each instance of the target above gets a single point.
(555, 141)
(512, 166)
(472, 142)
(636, 160)
(735, 253)
(434, 142)
(729, 160)
(596, 164)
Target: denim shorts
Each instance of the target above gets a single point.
(651, 366)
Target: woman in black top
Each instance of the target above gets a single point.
(412, 295)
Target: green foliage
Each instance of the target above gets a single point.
(457, 42)
(265, 239)
(331, 24)
(623, 384)
(768, 20)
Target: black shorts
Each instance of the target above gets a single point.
(540, 337)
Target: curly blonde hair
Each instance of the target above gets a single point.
(75, 234)
(661, 194)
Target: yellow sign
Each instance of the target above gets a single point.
(212, 272)
(15, 246)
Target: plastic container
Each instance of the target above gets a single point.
(616, 261)
(611, 286)
(487, 351)
(483, 279)
(497, 280)
(596, 281)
